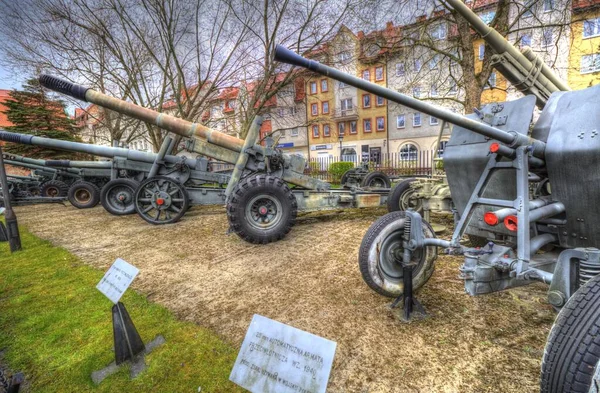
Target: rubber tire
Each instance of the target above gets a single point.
(243, 193)
(376, 175)
(421, 274)
(345, 176)
(393, 202)
(63, 188)
(103, 195)
(572, 351)
(91, 188)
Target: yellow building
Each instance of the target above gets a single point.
(584, 57)
(342, 120)
(495, 90)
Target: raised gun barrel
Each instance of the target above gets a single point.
(512, 139)
(526, 71)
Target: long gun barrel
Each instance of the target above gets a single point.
(526, 71)
(102, 151)
(67, 165)
(285, 55)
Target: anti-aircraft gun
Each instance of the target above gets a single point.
(527, 73)
(490, 160)
(261, 207)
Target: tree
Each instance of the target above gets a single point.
(32, 112)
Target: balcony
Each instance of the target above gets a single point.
(582, 5)
(345, 114)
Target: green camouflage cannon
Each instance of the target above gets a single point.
(261, 206)
(528, 74)
(551, 237)
(115, 182)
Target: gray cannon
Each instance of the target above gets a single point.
(124, 174)
(261, 207)
(490, 160)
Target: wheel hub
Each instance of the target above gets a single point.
(264, 211)
(83, 196)
(161, 200)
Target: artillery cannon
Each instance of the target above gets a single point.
(261, 207)
(490, 160)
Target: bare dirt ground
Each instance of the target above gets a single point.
(311, 281)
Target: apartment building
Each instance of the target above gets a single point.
(584, 55)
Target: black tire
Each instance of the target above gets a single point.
(376, 179)
(262, 209)
(346, 176)
(118, 196)
(379, 269)
(396, 194)
(161, 200)
(477, 241)
(84, 195)
(572, 353)
(54, 188)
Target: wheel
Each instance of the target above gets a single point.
(117, 196)
(376, 179)
(262, 209)
(161, 200)
(377, 261)
(54, 188)
(572, 351)
(346, 176)
(400, 198)
(84, 195)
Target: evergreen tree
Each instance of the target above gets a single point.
(32, 112)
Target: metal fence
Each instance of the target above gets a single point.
(413, 163)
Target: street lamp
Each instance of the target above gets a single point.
(341, 138)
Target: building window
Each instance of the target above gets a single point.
(400, 121)
(379, 101)
(590, 63)
(366, 100)
(325, 107)
(438, 32)
(314, 109)
(434, 91)
(547, 36)
(416, 119)
(481, 51)
(433, 63)
(591, 28)
(416, 92)
(323, 85)
(315, 129)
(380, 123)
(345, 106)
(326, 131)
(525, 40)
(367, 125)
(400, 70)
(453, 88)
(528, 5)
(366, 75)
(487, 17)
(409, 152)
(313, 87)
(434, 121)
(353, 127)
(548, 5)
(344, 57)
(418, 65)
(491, 83)
(379, 73)
(341, 128)
(294, 131)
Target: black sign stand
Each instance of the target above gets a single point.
(12, 229)
(128, 343)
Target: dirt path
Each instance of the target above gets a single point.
(311, 281)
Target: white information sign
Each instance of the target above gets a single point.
(117, 279)
(277, 358)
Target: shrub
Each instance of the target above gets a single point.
(314, 167)
(337, 169)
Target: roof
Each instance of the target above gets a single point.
(4, 96)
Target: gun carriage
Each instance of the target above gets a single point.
(492, 158)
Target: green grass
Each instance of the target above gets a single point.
(56, 327)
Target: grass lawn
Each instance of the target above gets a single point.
(56, 328)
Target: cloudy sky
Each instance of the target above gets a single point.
(9, 81)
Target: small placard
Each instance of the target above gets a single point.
(117, 279)
(279, 358)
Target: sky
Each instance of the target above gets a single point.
(9, 81)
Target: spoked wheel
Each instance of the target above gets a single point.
(376, 179)
(380, 256)
(84, 195)
(346, 177)
(117, 196)
(262, 209)
(54, 189)
(161, 200)
(401, 198)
